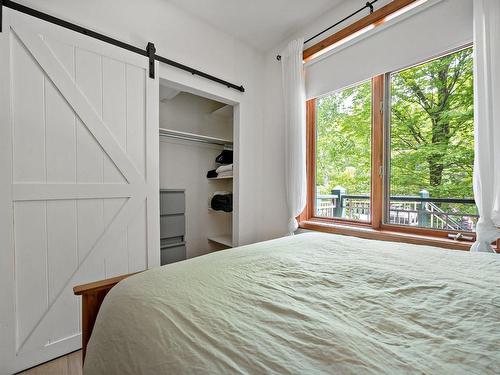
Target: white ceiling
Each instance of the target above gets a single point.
(261, 23)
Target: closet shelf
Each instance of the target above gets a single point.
(194, 137)
(220, 178)
(219, 211)
(225, 239)
(226, 111)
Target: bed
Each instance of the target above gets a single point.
(308, 304)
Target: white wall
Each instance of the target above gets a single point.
(274, 223)
(184, 38)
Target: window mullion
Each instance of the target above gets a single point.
(377, 151)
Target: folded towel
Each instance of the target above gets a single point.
(219, 192)
(225, 174)
(224, 168)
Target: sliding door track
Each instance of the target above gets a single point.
(149, 51)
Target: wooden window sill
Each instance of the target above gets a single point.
(383, 235)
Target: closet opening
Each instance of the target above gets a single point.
(197, 174)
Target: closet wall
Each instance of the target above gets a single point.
(184, 165)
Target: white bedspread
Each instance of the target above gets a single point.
(308, 304)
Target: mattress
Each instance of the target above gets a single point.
(307, 304)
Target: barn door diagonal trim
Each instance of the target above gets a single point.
(80, 104)
(118, 223)
(44, 192)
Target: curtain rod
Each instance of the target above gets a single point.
(369, 5)
(149, 52)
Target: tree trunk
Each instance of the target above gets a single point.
(440, 131)
(436, 168)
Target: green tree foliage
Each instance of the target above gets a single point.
(344, 140)
(431, 132)
(432, 140)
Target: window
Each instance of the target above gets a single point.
(405, 169)
(343, 157)
(431, 145)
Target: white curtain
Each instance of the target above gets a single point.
(295, 130)
(487, 121)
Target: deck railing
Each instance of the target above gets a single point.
(437, 213)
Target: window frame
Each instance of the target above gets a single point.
(387, 155)
(380, 185)
(312, 199)
(376, 162)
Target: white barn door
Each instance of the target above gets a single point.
(78, 180)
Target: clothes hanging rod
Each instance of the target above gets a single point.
(195, 137)
(148, 52)
(369, 5)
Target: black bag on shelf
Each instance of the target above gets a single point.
(222, 202)
(212, 173)
(225, 157)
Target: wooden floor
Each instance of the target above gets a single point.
(70, 364)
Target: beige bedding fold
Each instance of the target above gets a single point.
(307, 304)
